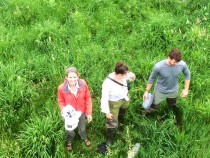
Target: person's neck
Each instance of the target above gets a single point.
(168, 62)
(72, 86)
(118, 77)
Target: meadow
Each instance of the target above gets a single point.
(39, 39)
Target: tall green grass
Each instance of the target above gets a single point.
(40, 39)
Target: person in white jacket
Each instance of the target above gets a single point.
(115, 100)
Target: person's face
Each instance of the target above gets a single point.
(173, 62)
(72, 78)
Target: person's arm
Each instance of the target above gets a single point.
(149, 86)
(105, 99)
(186, 73)
(61, 100)
(131, 76)
(88, 104)
(185, 91)
(150, 82)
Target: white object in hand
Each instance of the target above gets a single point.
(71, 117)
(148, 101)
(71, 123)
(68, 110)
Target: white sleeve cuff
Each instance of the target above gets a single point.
(105, 111)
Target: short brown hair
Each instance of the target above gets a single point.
(175, 54)
(121, 68)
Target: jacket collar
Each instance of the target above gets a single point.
(65, 86)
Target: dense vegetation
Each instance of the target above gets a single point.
(39, 39)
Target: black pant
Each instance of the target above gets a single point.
(176, 111)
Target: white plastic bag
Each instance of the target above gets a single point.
(148, 101)
(71, 117)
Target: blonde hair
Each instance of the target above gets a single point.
(72, 69)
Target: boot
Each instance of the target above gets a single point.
(121, 116)
(151, 111)
(176, 111)
(178, 115)
(110, 135)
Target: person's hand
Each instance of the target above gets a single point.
(89, 118)
(109, 116)
(131, 76)
(145, 95)
(184, 93)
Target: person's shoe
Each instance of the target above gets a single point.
(69, 146)
(149, 112)
(87, 142)
(102, 148)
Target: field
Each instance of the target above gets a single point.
(39, 39)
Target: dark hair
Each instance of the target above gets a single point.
(175, 54)
(121, 68)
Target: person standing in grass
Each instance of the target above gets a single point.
(166, 88)
(114, 100)
(74, 92)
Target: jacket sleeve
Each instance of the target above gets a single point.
(61, 100)
(88, 100)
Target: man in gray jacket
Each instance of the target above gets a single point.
(166, 88)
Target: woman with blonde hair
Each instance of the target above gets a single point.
(75, 104)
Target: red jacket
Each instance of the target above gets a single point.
(82, 102)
